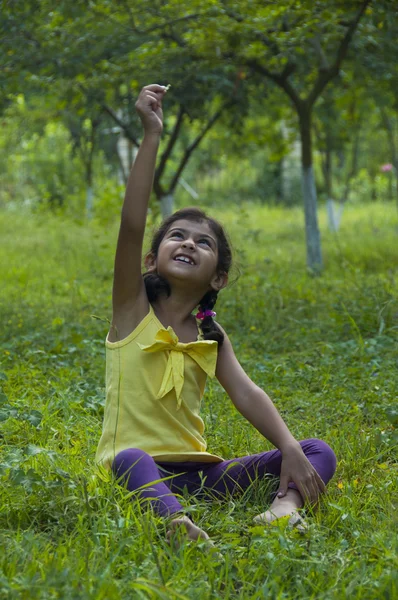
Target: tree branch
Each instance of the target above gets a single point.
(195, 143)
(171, 143)
(172, 36)
(118, 121)
(271, 44)
(354, 162)
(280, 79)
(130, 14)
(323, 61)
(325, 75)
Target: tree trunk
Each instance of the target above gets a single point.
(89, 188)
(89, 202)
(166, 205)
(335, 212)
(333, 217)
(313, 239)
(278, 174)
(328, 168)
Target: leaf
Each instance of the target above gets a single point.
(34, 417)
(3, 376)
(62, 473)
(336, 506)
(4, 415)
(32, 450)
(27, 479)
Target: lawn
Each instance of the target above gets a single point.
(324, 348)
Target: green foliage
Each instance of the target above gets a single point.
(42, 163)
(37, 167)
(324, 348)
(76, 62)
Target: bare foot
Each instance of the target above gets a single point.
(193, 532)
(282, 507)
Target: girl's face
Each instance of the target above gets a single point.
(189, 252)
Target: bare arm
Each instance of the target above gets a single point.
(250, 400)
(129, 298)
(254, 404)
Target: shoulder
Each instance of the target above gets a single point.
(125, 319)
(230, 373)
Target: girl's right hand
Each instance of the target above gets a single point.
(149, 108)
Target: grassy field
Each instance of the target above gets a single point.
(325, 349)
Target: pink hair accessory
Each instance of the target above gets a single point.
(206, 313)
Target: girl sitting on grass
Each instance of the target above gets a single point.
(159, 354)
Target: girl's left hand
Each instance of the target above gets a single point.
(297, 468)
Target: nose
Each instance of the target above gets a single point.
(188, 244)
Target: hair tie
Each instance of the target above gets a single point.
(204, 314)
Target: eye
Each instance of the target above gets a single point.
(204, 241)
(176, 234)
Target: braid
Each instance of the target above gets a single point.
(210, 329)
(155, 286)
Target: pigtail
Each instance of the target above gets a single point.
(156, 286)
(210, 329)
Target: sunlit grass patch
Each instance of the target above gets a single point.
(324, 348)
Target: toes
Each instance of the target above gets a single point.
(175, 522)
(294, 520)
(266, 517)
(298, 523)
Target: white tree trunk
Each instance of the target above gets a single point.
(290, 171)
(314, 254)
(127, 155)
(167, 205)
(89, 202)
(334, 216)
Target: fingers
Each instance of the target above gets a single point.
(317, 487)
(283, 484)
(149, 98)
(321, 485)
(311, 489)
(154, 87)
(152, 95)
(304, 491)
(313, 493)
(154, 100)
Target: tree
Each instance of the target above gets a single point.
(70, 39)
(300, 49)
(378, 66)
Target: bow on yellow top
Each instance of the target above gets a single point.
(204, 352)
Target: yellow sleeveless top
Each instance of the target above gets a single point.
(154, 387)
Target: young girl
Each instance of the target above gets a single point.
(159, 354)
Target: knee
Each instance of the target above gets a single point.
(315, 446)
(127, 459)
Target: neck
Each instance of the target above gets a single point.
(177, 308)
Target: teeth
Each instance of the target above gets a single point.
(184, 259)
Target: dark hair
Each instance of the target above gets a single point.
(156, 285)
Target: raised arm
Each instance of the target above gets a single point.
(129, 300)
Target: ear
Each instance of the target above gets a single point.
(219, 281)
(150, 262)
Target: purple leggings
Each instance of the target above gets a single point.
(136, 469)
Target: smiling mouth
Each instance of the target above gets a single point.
(186, 260)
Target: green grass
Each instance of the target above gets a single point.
(325, 349)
